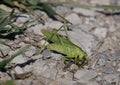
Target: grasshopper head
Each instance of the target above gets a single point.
(82, 59)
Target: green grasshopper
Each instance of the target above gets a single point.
(63, 45)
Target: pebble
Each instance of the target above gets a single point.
(24, 82)
(46, 54)
(36, 29)
(101, 62)
(85, 12)
(117, 53)
(22, 18)
(63, 82)
(37, 56)
(28, 68)
(74, 67)
(50, 73)
(86, 27)
(101, 2)
(74, 19)
(1, 59)
(18, 60)
(53, 24)
(112, 78)
(107, 70)
(40, 68)
(5, 50)
(101, 33)
(102, 58)
(65, 74)
(27, 82)
(63, 10)
(92, 83)
(85, 75)
(30, 51)
(56, 56)
(6, 8)
(18, 70)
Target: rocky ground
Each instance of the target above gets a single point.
(98, 34)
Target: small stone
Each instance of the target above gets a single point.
(86, 27)
(18, 70)
(63, 10)
(100, 32)
(46, 54)
(28, 68)
(50, 73)
(36, 29)
(53, 24)
(6, 8)
(92, 83)
(74, 67)
(56, 56)
(37, 57)
(112, 28)
(100, 2)
(117, 53)
(118, 70)
(99, 79)
(30, 51)
(4, 49)
(63, 82)
(101, 62)
(85, 12)
(118, 3)
(18, 59)
(65, 74)
(22, 18)
(85, 75)
(107, 70)
(112, 78)
(43, 16)
(21, 44)
(74, 19)
(24, 82)
(27, 82)
(1, 59)
(40, 68)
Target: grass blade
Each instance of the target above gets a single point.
(6, 61)
(7, 82)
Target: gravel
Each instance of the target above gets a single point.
(85, 12)
(85, 75)
(101, 33)
(112, 78)
(96, 33)
(4, 50)
(74, 18)
(18, 70)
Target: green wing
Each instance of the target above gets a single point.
(55, 37)
(68, 50)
